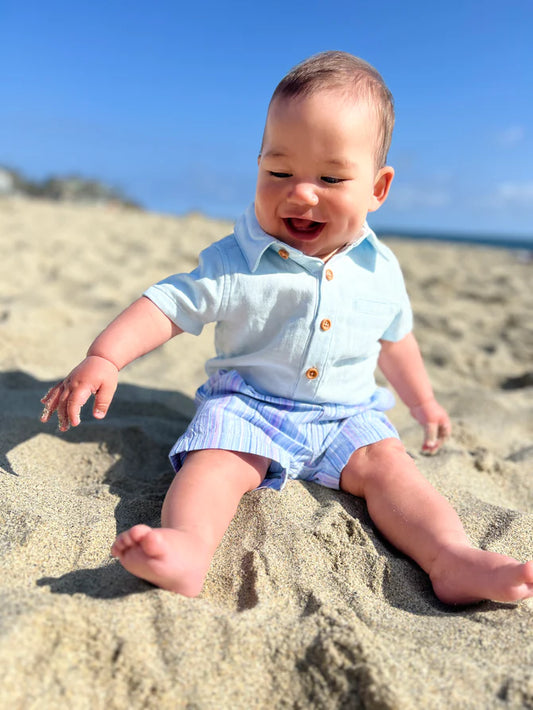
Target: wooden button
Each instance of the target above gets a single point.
(325, 324)
(329, 274)
(312, 373)
(283, 253)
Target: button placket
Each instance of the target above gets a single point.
(317, 361)
(325, 323)
(327, 305)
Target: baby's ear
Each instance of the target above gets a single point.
(382, 185)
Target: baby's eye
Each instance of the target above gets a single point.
(331, 180)
(279, 175)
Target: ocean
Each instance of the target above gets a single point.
(522, 243)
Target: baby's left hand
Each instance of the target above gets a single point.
(436, 423)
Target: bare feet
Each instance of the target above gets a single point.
(463, 575)
(168, 558)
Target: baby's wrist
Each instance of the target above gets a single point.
(103, 357)
(423, 404)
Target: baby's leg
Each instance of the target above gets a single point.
(421, 523)
(198, 508)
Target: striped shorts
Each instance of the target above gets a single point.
(305, 441)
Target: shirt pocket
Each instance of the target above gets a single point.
(369, 320)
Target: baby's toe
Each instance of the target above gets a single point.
(122, 543)
(137, 533)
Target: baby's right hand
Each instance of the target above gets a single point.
(94, 376)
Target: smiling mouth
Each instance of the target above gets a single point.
(303, 228)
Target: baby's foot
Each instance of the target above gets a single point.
(464, 575)
(165, 557)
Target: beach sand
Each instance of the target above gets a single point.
(305, 606)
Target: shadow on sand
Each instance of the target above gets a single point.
(139, 430)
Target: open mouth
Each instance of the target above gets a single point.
(303, 228)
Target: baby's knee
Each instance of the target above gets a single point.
(372, 461)
(383, 453)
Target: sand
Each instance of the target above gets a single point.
(305, 606)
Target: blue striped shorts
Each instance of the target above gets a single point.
(310, 442)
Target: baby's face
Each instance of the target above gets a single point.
(317, 177)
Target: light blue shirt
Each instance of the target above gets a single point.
(290, 324)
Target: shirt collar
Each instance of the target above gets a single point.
(254, 241)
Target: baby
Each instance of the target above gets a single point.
(307, 302)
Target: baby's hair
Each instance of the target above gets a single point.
(334, 69)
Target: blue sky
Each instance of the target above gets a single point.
(167, 99)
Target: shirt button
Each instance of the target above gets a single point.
(283, 253)
(329, 274)
(312, 373)
(325, 324)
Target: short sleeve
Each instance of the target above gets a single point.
(192, 299)
(402, 323)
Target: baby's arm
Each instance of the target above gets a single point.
(136, 331)
(401, 363)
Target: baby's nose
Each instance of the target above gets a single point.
(304, 193)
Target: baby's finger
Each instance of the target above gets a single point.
(62, 415)
(102, 399)
(75, 402)
(431, 441)
(435, 437)
(51, 401)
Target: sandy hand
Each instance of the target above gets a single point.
(94, 376)
(436, 423)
